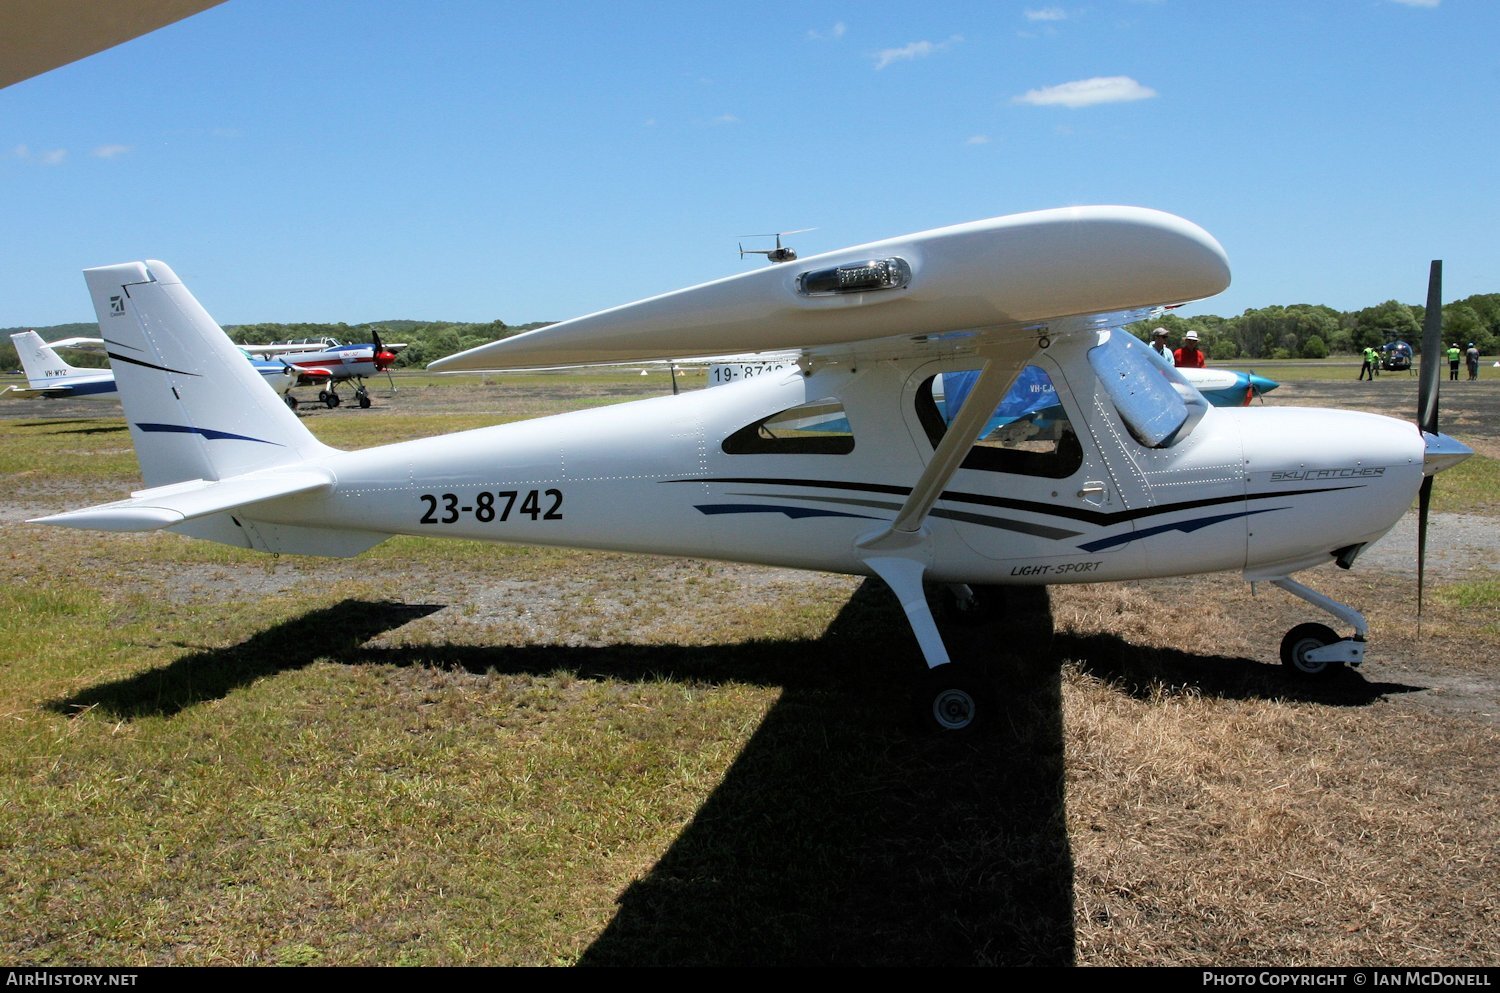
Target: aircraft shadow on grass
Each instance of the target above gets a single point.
(1140, 670)
(840, 835)
(115, 429)
(335, 633)
(54, 426)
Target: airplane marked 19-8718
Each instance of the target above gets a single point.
(849, 461)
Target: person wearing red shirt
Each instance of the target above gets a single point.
(1188, 356)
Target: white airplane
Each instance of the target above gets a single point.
(1136, 476)
(48, 375)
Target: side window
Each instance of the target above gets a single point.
(1029, 433)
(1155, 402)
(819, 427)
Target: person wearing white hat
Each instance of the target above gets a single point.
(1160, 346)
(1187, 356)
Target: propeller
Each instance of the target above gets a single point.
(1427, 409)
(383, 359)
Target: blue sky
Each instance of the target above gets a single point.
(467, 160)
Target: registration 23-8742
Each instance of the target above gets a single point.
(498, 505)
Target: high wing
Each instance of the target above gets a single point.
(39, 35)
(92, 345)
(1024, 276)
(284, 349)
(996, 290)
(394, 346)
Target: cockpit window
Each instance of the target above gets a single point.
(1152, 398)
(819, 427)
(1029, 433)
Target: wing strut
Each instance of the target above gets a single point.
(901, 552)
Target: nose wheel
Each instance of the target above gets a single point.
(1301, 642)
(1316, 649)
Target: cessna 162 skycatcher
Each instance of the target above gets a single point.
(1129, 475)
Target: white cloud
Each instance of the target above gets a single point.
(1087, 92)
(832, 34)
(978, 139)
(912, 51)
(54, 156)
(1047, 14)
(1418, 3)
(110, 151)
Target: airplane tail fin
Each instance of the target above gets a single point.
(42, 365)
(196, 409)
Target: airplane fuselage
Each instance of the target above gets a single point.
(1252, 490)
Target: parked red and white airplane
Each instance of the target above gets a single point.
(325, 362)
(1133, 476)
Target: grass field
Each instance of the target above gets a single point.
(452, 753)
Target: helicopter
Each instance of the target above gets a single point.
(773, 255)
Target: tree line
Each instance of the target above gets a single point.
(1313, 331)
(424, 340)
(1298, 331)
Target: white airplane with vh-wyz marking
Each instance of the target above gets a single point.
(1134, 477)
(48, 375)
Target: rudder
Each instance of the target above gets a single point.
(195, 408)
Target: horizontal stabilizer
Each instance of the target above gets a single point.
(163, 506)
(28, 393)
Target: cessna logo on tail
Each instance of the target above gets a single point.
(117, 306)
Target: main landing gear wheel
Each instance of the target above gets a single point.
(364, 401)
(1306, 638)
(330, 399)
(953, 699)
(291, 401)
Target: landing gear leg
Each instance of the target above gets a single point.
(1315, 649)
(363, 396)
(952, 697)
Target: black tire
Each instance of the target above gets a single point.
(364, 401)
(953, 699)
(1305, 638)
(332, 400)
(291, 402)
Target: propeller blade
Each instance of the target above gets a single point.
(1424, 498)
(1432, 351)
(1427, 409)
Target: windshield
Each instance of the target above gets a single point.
(1151, 397)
